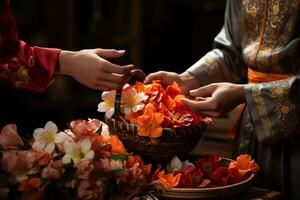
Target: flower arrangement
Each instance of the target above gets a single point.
(207, 171)
(151, 107)
(82, 162)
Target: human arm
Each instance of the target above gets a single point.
(273, 106)
(32, 68)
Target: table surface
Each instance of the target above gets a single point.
(251, 194)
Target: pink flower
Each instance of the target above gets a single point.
(53, 170)
(9, 138)
(19, 164)
(88, 190)
(110, 165)
(83, 128)
(84, 168)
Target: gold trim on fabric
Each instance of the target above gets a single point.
(14, 72)
(262, 110)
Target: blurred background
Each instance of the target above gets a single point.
(157, 34)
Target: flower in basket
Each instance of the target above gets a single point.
(82, 162)
(207, 171)
(152, 107)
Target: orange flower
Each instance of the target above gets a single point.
(43, 157)
(168, 180)
(173, 90)
(244, 165)
(149, 122)
(116, 144)
(132, 159)
(132, 117)
(32, 189)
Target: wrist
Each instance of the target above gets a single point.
(189, 80)
(64, 64)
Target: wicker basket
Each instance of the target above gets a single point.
(179, 141)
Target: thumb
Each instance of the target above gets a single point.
(110, 53)
(203, 91)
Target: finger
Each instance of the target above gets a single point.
(155, 76)
(111, 77)
(197, 106)
(110, 53)
(203, 91)
(117, 69)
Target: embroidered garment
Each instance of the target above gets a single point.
(22, 66)
(262, 38)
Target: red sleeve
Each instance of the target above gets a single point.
(22, 66)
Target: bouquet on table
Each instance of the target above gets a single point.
(82, 162)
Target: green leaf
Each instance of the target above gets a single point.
(120, 157)
(99, 131)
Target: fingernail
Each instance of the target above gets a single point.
(130, 66)
(121, 51)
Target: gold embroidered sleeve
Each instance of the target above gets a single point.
(274, 109)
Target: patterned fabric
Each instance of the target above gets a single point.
(263, 35)
(22, 66)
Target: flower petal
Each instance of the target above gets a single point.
(39, 145)
(37, 133)
(51, 127)
(85, 145)
(49, 147)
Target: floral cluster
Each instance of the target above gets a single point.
(151, 107)
(82, 162)
(207, 171)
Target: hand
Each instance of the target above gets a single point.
(217, 99)
(185, 80)
(90, 68)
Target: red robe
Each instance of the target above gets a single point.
(22, 66)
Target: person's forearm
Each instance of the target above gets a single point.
(64, 62)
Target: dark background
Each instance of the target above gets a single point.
(158, 35)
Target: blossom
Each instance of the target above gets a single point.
(43, 157)
(90, 190)
(84, 168)
(132, 101)
(77, 151)
(45, 138)
(168, 180)
(19, 163)
(53, 170)
(9, 138)
(109, 165)
(32, 189)
(244, 165)
(108, 104)
(83, 128)
(149, 122)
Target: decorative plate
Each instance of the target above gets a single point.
(204, 193)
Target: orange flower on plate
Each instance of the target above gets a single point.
(168, 180)
(149, 123)
(244, 165)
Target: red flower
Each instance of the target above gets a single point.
(208, 164)
(191, 177)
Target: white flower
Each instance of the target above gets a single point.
(108, 104)
(110, 165)
(45, 138)
(78, 151)
(132, 101)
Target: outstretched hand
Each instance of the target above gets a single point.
(216, 100)
(90, 68)
(185, 80)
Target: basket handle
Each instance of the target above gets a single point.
(135, 73)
